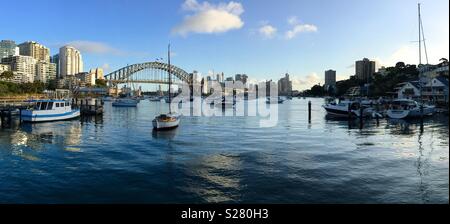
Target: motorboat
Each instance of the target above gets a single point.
(49, 110)
(404, 108)
(125, 102)
(349, 107)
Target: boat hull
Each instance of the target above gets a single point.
(31, 116)
(159, 125)
(415, 113)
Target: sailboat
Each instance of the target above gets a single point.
(402, 108)
(170, 120)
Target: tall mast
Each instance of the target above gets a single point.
(420, 37)
(170, 78)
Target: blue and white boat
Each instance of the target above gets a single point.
(49, 110)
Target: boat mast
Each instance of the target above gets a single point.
(170, 79)
(420, 55)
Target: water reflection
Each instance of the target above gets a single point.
(164, 135)
(30, 139)
(215, 178)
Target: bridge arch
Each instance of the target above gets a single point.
(124, 74)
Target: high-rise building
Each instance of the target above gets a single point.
(285, 86)
(8, 48)
(23, 67)
(365, 69)
(55, 59)
(330, 78)
(70, 61)
(241, 77)
(45, 71)
(35, 50)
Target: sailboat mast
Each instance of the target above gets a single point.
(170, 78)
(420, 37)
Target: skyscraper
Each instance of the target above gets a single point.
(45, 72)
(23, 67)
(365, 69)
(330, 78)
(70, 61)
(35, 50)
(285, 86)
(55, 59)
(8, 48)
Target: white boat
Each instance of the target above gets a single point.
(169, 120)
(125, 102)
(403, 108)
(155, 99)
(166, 121)
(50, 110)
(274, 100)
(342, 108)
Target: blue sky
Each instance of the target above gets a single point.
(262, 38)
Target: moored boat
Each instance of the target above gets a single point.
(404, 108)
(169, 120)
(125, 102)
(166, 121)
(50, 110)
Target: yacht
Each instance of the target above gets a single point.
(346, 107)
(169, 120)
(50, 110)
(404, 108)
(125, 102)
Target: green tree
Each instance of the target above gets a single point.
(100, 83)
(7, 75)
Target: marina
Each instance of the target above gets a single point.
(226, 159)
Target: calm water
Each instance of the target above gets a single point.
(118, 158)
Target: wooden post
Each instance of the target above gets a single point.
(2, 118)
(309, 111)
(361, 116)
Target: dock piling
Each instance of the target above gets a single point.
(309, 111)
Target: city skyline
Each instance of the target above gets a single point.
(240, 37)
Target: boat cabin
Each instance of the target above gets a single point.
(51, 105)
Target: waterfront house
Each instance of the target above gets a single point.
(408, 90)
(436, 90)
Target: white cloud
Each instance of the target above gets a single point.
(92, 47)
(300, 28)
(267, 31)
(210, 18)
(303, 83)
(293, 20)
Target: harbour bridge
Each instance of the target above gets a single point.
(148, 72)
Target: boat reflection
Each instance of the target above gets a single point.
(164, 135)
(36, 137)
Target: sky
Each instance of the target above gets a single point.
(261, 38)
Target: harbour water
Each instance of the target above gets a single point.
(117, 158)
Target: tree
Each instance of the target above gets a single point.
(400, 65)
(7, 75)
(100, 83)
